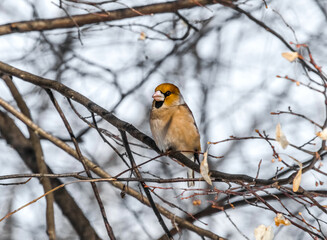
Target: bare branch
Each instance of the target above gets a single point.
(84, 19)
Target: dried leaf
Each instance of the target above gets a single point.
(290, 56)
(204, 168)
(297, 179)
(280, 137)
(142, 36)
(263, 233)
(322, 134)
(281, 220)
(318, 156)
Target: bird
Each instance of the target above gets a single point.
(172, 124)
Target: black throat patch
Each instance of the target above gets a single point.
(158, 104)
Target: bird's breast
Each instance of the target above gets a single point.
(158, 123)
(174, 128)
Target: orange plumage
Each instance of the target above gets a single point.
(172, 123)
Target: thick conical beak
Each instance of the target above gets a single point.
(158, 96)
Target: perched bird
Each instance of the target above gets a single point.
(172, 124)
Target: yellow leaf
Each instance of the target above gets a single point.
(280, 137)
(297, 179)
(204, 168)
(263, 233)
(322, 134)
(281, 220)
(290, 56)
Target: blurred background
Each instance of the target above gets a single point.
(225, 66)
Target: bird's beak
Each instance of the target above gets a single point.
(158, 96)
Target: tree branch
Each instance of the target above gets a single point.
(104, 16)
(100, 172)
(81, 159)
(145, 187)
(122, 125)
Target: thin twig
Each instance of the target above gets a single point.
(235, 226)
(94, 187)
(145, 187)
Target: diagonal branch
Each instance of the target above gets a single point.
(82, 160)
(129, 128)
(276, 34)
(145, 187)
(100, 172)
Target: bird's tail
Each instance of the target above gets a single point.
(190, 172)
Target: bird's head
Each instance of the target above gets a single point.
(167, 95)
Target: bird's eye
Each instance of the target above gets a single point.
(167, 93)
